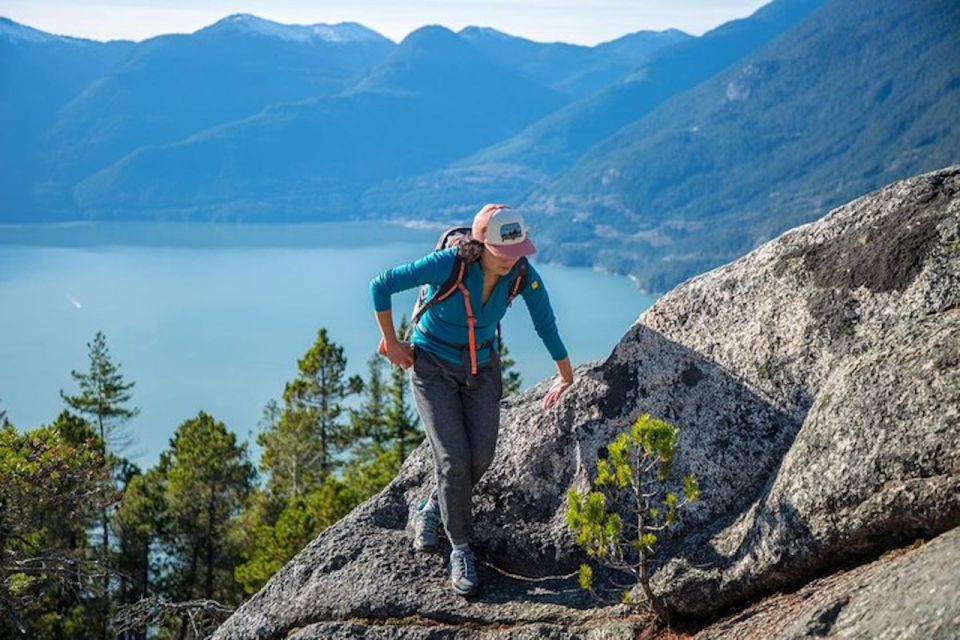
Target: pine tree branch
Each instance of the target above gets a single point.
(152, 610)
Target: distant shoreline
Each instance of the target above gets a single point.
(411, 224)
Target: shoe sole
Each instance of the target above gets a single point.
(468, 593)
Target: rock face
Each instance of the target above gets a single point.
(816, 382)
(901, 595)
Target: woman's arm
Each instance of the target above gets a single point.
(541, 312)
(538, 304)
(432, 268)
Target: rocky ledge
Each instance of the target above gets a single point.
(816, 381)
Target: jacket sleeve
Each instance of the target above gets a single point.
(538, 303)
(433, 268)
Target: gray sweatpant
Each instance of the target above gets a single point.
(461, 416)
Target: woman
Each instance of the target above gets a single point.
(457, 392)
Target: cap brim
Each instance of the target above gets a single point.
(524, 248)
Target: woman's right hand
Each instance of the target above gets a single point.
(554, 394)
(400, 353)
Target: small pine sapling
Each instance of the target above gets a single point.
(636, 473)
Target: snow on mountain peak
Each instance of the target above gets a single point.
(334, 33)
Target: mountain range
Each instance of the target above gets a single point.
(312, 98)
(413, 112)
(657, 154)
(509, 170)
(854, 96)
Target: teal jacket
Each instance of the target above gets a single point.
(447, 320)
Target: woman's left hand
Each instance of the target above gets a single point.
(554, 393)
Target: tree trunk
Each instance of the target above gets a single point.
(211, 506)
(190, 582)
(105, 544)
(183, 626)
(144, 580)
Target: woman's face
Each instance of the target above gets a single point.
(495, 264)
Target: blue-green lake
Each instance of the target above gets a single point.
(213, 317)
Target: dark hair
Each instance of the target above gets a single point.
(470, 248)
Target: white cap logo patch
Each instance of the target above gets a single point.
(510, 232)
(506, 227)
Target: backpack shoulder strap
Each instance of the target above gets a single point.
(446, 289)
(452, 238)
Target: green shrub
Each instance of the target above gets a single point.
(637, 471)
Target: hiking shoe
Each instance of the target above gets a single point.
(463, 572)
(426, 521)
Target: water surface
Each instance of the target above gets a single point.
(213, 317)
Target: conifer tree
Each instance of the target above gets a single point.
(636, 472)
(290, 451)
(177, 532)
(368, 424)
(139, 527)
(103, 397)
(305, 441)
(313, 408)
(511, 379)
(384, 427)
(207, 478)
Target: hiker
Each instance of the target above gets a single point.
(454, 364)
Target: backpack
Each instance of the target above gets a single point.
(452, 238)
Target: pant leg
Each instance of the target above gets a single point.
(436, 391)
(481, 415)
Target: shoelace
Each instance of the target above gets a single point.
(467, 567)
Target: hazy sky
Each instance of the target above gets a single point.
(577, 21)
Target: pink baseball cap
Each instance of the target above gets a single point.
(503, 231)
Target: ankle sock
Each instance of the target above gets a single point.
(462, 547)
